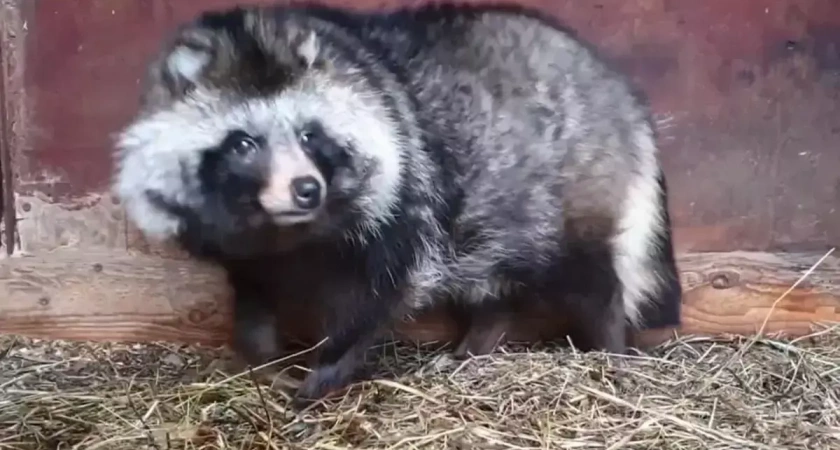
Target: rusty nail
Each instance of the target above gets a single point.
(720, 281)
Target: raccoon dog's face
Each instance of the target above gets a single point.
(252, 125)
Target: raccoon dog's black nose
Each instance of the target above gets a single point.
(307, 192)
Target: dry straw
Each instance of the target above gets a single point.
(777, 394)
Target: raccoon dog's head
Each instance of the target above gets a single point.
(252, 124)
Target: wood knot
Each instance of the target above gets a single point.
(44, 301)
(26, 206)
(97, 267)
(724, 280)
(692, 279)
(198, 316)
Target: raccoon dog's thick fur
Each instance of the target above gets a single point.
(373, 164)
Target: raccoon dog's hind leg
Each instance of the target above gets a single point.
(481, 327)
(579, 283)
(588, 289)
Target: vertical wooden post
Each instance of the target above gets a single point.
(7, 199)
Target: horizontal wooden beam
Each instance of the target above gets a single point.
(110, 295)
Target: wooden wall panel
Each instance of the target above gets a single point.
(748, 95)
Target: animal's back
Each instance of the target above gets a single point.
(540, 136)
(506, 84)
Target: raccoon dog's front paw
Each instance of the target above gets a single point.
(322, 381)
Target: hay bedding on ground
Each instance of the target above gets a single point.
(686, 394)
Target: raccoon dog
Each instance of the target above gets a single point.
(373, 164)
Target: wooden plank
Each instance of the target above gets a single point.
(106, 295)
(112, 295)
(11, 115)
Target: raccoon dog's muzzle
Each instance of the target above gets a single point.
(295, 190)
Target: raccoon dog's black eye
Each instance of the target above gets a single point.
(241, 143)
(244, 146)
(311, 132)
(306, 136)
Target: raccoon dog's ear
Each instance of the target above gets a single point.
(188, 58)
(308, 47)
(180, 65)
(283, 38)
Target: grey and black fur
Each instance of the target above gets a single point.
(479, 154)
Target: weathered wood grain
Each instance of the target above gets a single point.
(105, 295)
(112, 295)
